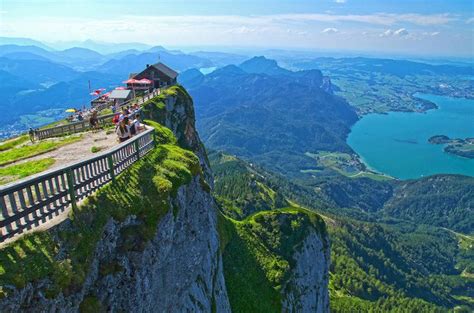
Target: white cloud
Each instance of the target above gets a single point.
(470, 21)
(283, 30)
(330, 30)
(57, 28)
(376, 19)
(387, 33)
(340, 1)
(430, 34)
(400, 32)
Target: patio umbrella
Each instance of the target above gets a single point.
(144, 81)
(71, 110)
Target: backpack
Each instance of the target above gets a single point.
(115, 119)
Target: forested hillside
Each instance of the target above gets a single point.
(418, 200)
(375, 266)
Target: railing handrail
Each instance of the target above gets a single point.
(38, 177)
(31, 202)
(42, 133)
(100, 117)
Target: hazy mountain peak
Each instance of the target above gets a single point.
(229, 69)
(83, 51)
(22, 42)
(262, 65)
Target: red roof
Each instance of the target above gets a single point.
(131, 81)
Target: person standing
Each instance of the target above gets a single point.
(123, 130)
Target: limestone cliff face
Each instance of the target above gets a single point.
(179, 270)
(309, 279)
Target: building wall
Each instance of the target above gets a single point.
(159, 78)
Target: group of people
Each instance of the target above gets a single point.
(127, 123)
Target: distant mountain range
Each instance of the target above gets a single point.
(261, 111)
(400, 68)
(36, 77)
(41, 72)
(23, 42)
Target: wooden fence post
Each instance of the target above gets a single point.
(111, 167)
(72, 193)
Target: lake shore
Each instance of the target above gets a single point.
(397, 145)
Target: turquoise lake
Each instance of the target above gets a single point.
(397, 143)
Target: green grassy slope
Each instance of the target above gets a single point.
(257, 254)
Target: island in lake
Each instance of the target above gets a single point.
(460, 147)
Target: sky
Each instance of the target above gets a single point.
(425, 28)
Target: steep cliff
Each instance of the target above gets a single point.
(276, 261)
(154, 241)
(147, 243)
(307, 285)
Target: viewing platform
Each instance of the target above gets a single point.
(79, 160)
(65, 163)
(35, 201)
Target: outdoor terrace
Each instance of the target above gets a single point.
(65, 164)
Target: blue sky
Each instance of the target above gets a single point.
(406, 27)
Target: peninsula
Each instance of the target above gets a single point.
(457, 146)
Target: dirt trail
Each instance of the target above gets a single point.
(78, 150)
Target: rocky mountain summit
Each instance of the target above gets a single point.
(156, 241)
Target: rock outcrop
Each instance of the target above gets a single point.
(309, 278)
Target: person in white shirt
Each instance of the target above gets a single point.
(136, 126)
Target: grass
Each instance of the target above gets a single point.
(95, 149)
(258, 255)
(266, 193)
(28, 151)
(143, 191)
(9, 144)
(105, 112)
(374, 176)
(345, 164)
(14, 172)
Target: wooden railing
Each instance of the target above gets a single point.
(71, 128)
(28, 203)
(84, 125)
